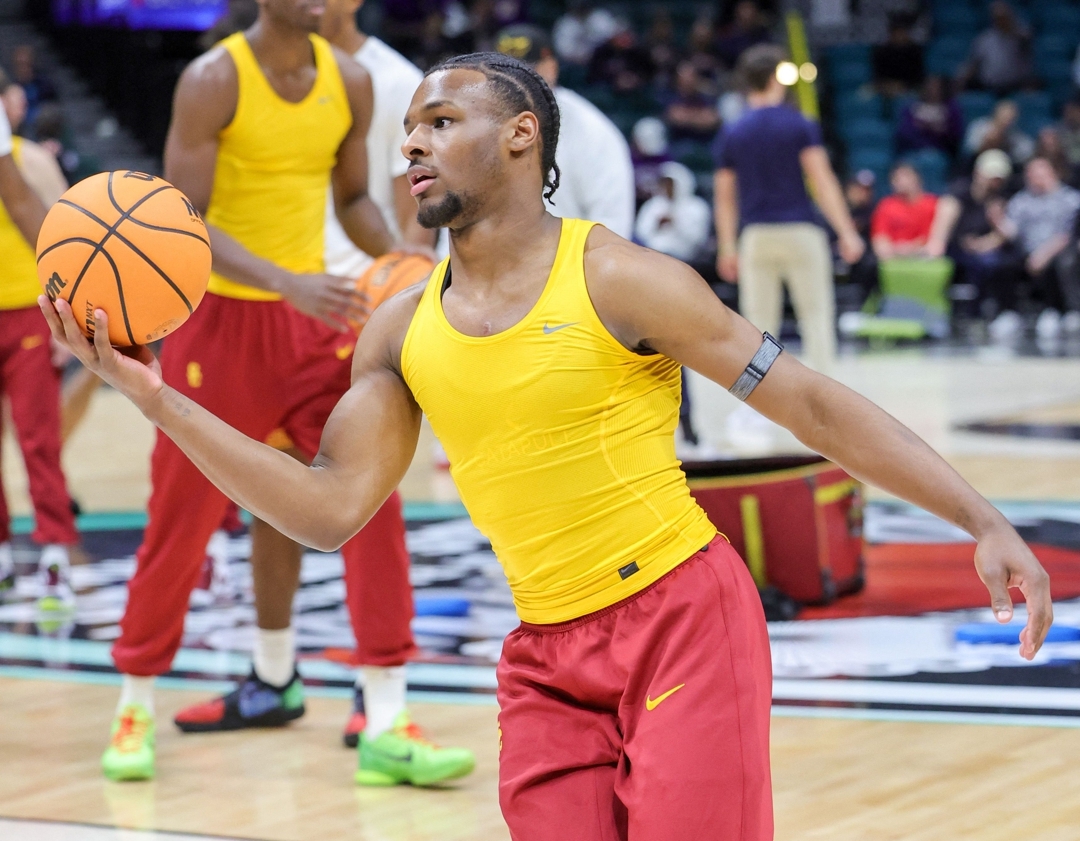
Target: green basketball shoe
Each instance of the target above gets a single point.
(130, 754)
(403, 755)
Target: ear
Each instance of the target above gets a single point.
(522, 132)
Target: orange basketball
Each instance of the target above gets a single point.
(130, 244)
(388, 275)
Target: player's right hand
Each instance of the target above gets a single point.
(331, 299)
(134, 371)
(727, 266)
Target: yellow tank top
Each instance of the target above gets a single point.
(561, 443)
(273, 166)
(19, 287)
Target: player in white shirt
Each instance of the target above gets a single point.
(597, 176)
(394, 80)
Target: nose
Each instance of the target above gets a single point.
(415, 145)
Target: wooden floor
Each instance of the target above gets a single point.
(834, 780)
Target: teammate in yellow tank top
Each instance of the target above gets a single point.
(31, 383)
(263, 124)
(544, 353)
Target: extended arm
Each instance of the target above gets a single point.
(830, 198)
(367, 443)
(648, 300)
(358, 214)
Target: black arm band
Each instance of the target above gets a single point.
(757, 369)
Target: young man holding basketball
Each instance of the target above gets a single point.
(635, 695)
(263, 125)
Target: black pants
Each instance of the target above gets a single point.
(1011, 284)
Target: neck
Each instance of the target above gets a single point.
(913, 196)
(763, 99)
(349, 39)
(485, 250)
(282, 48)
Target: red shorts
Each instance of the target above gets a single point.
(646, 720)
(260, 367)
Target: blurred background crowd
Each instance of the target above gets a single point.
(954, 125)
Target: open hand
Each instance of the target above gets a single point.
(331, 299)
(132, 371)
(1003, 560)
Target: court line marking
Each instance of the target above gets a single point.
(949, 694)
(111, 831)
(929, 717)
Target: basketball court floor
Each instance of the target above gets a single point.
(886, 726)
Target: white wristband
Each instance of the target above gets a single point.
(5, 134)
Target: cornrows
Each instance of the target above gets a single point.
(521, 89)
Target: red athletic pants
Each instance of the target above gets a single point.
(646, 721)
(32, 386)
(259, 366)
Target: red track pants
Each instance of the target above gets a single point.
(260, 367)
(648, 720)
(32, 386)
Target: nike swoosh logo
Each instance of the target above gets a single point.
(549, 330)
(651, 705)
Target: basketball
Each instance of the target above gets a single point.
(388, 275)
(128, 243)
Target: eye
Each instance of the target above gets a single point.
(440, 122)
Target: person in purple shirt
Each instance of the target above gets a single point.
(763, 161)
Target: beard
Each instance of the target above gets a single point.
(441, 213)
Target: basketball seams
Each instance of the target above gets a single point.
(112, 231)
(141, 224)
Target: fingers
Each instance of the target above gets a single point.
(52, 319)
(1000, 600)
(101, 335)
(72, 334)
(1036, 590)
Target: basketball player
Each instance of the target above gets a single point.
(635, 695)
(29, 379)
(262, 124)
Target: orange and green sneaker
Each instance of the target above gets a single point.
(403, 755)
(130, 754)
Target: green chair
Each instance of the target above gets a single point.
(914, 300)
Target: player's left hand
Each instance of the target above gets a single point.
(1003, 560)
(133, 371)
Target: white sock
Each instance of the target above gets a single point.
(384, 697)
(275, 655)
(7, 559)
(137, 690)
(55, 554)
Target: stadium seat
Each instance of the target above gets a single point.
(866, 133)
(945, 55)
(958, 17)
(849, 75)
(900, 103)
(1050, 16)
(1052, 68)
(1059, 44)
(855, 105)
(933, 166)
(848, 53)
(976, 104)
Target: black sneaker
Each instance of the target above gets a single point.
(254, 703)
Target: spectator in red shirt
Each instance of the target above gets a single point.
(903, 224)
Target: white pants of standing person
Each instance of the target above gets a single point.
(797, 254)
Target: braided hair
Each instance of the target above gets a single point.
(520, 88)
